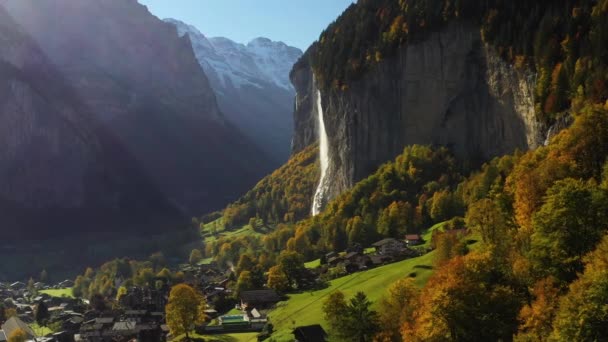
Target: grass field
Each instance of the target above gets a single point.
(237, 337)
(306, 308)
(40, 331)
(67, 292)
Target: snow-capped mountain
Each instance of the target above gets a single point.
(251, 83)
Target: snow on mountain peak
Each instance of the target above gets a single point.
(259, 62)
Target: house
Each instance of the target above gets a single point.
(66, 283)
(334, 261)
(413, 239)
(17, 285)
(15, 323)
(259, 298)
(389, 246)
(330, 255)
(310, 333)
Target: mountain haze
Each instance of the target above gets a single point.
(145, 84)
(62, 170)
(252, 85)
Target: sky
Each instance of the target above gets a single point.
(295, 22)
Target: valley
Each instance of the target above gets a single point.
(423, 171)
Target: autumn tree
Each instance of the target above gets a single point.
(18, 335)
(185, 309)
(447, 245)
(396, 308)
(582, 314)
(244, 282)
(536, 318)
(195, 256)
(10, 312)
(277, 280)
(292, 265)
(465, 301)
(569, 224)
(486, 218)
(334, 308)
(246, 263)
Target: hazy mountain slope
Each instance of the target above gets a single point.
(62, 172)
(146, 85)
(252, 85)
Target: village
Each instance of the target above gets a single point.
(139, 314)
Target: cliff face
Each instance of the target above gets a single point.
(145, 84)
(448, 89)
(61, 170)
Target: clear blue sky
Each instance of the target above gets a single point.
(295, 22)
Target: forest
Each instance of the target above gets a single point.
(539, 271)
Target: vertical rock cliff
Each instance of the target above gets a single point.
(447, 89)
(145, 84)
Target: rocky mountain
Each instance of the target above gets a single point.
(446, 88)
(252, 85)
(144, 82)
(62, 171)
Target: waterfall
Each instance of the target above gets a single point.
(317, 203)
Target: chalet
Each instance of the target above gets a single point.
(13, 324)
(389, 247)
(259, 298)
(413, 239)
(66, 283)
(352, 257)
(17, 285)
(310, 333)
(334, 261)
(331, 255)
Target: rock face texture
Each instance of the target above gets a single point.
(448, 89)
(252, 85)
(61, 170)
(144, 82)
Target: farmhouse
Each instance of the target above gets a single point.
(413, 239)
(389, 247)
(310, 333)
(259, 298)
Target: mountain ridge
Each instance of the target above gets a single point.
(251, 82)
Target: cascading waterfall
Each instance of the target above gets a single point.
(317, 203)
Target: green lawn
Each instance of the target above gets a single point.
(306, 308)
(313, 264)
(40, 331)
(67, 292)
(234, 337)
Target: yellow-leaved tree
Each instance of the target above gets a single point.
(185, 309)
(18, 336)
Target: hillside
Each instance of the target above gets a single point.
(306, 308)
(285, 196)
